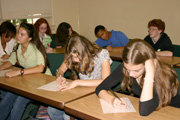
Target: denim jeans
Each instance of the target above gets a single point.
(55, 114)
(3, 93)
(13, 104)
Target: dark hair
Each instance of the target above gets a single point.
(36, 41)
(85, 51)
(41, 21)
(157, 23)
(62, 32)
(98, 28)
(8, 28)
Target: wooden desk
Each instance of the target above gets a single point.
(173, 61)
(89, 108)
(116, 56)
(27, 86)
(59, 50)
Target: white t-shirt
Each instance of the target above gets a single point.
(9, 47)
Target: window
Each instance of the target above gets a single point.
(18, 11)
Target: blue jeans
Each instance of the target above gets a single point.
(13, 104)
(3, 93)
(55, 114)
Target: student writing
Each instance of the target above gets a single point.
(92, 64)
(145, 76)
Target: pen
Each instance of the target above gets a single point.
(115, 95)
(59, 74)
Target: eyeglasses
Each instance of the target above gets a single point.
(43, 28)
(153, 29)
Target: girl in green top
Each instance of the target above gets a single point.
(31, 54)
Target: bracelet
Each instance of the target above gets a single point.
(22, 71)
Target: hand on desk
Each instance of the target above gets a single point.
(12, 73)
(65, 86)
(119, 104)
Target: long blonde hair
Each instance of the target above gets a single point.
(136, 52)
(85, 51)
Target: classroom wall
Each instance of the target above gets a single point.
(128, 16)
(65, 11)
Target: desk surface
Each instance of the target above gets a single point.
(173, 61)
(27, 86)
(89, 107)
(59, 50)
(116, 56)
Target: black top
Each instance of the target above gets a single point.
(61, 40)
(163, 44)
(145, 108)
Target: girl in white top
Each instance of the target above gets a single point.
(7, 32)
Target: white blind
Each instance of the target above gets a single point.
(22, 9)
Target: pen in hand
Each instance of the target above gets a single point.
(59, 74)
(117, 97)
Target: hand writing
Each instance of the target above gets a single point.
(60, 81)
(119, 103)
(65, 87)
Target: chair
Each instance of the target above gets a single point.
(178, 75)
(53, 41)
(114, 65)
(55, 60)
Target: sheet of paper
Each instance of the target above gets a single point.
(108, 108)
(2, 73)
(52, 86)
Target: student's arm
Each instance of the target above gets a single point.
(164, 53)
(148, 98)
(62, 69)
(147, 90)
(5, 65)
(115, 49)
(104, 73)
(115, 78)
(36, 69)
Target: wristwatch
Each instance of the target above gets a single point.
(22, 71)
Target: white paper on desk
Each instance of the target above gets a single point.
(2, 72)
(52, 86)
(108, 108)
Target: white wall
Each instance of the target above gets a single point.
(128, 16)
(66, 11)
